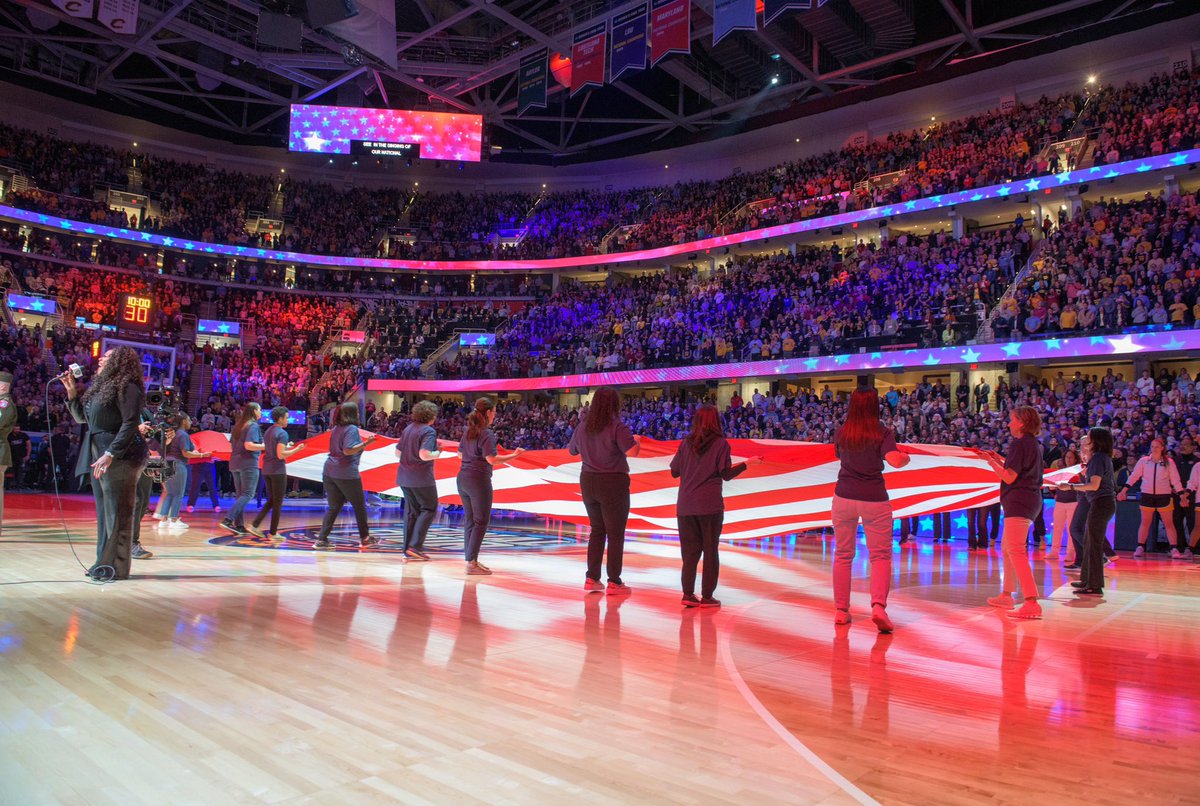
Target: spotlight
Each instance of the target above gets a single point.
(775, 79)
(1091, 79)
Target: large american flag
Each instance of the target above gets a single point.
(791, 491)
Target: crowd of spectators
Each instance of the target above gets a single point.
(911, 290)
(197, 201)
(1116, 266)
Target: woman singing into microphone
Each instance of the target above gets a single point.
(478, 452)
(113, 452)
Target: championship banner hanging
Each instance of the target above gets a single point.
(791, 491)
(670, 28)
(76, 8)
(628, 42)
(118, 16)
(773, 8)
(587, 57)
(733, 15)
(532, 81)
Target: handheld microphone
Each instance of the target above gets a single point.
(75, 370)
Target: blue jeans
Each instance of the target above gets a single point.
(245, 482)
(173, 490)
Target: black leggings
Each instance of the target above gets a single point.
(1078, 530)
(1091, 571)
(337, 493)
(276, 485)
(699, 535)
(606, 499)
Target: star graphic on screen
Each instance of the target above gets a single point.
(64, 224)
(977, 197)
(1097, 340)
(1173, 344)
(1053, 344)
(970, 355)
(961, 522)
(811, 363)
(925, 524)
(1063, 177)
(315, 142)
(876, 356)
(841, 360)
(168, 241)
(1179, 159)
(1125, 344)
(1111, 175)
(1003, 191)
(930, 360)
(1033, 184)
(189, 245)
(1143, 167)
(910, 205)
(37, 305)
(224, 328)
(1012, 349)
(146, 236)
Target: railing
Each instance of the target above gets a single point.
(1009, 292)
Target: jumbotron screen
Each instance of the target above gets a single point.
(335, 130)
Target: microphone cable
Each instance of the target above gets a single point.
(101, 574)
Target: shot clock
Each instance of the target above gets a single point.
(135, 312)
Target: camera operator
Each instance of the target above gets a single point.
(113, 451)
(8, 419)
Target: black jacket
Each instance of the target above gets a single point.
(112, 427)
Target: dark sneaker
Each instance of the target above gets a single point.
(709, 601)
(593, 585)
(140, 553)
(618, 589)
(1089, 591)
(322, 545)
(690, 600)
(226, 523)
(368, 542)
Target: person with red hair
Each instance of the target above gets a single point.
(863, 445)
(702, 463)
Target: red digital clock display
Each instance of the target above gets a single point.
(135, 312)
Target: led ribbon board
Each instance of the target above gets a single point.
(1041, 183)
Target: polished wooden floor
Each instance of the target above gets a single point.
(245, 674)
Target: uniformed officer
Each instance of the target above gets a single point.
(8, 419)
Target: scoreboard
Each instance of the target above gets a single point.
(135, 312)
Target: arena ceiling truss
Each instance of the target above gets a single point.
(198, 64)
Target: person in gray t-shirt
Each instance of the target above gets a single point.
(603, 442)
(478, 451)
(416, 452)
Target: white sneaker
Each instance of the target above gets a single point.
(158, 516)
(178, 524)
(1176, 554)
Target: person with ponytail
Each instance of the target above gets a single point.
(277, 448)
(863, 445)
(603, 441)
(245, 446)
(341, 477)
(478, 453)
(702, 463)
